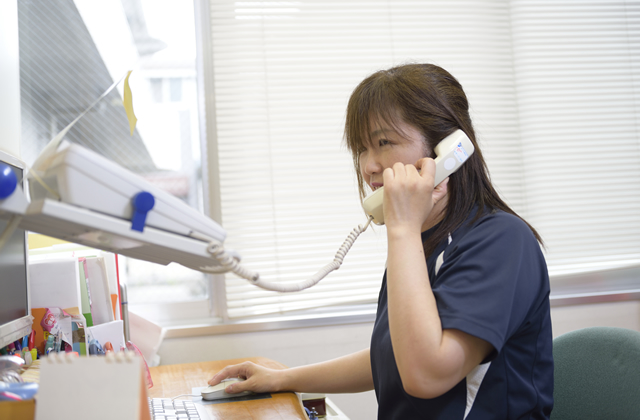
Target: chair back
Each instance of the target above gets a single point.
(597, 374)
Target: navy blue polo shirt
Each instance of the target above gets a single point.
(491, 282)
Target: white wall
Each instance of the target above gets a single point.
(9, 79)
(297, 347)
(610, 314)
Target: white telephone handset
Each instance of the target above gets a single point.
(451, 153)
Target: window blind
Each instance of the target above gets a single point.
(577, 67)
(283, 73)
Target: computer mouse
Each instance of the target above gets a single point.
(216, 392)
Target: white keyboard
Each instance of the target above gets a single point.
(165, 409)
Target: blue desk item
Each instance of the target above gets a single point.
(17, 391)
(95, 348)
(142, 203)
(8, 181)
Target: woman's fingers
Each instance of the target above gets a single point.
(258, 378)
(427, 167)
(242, 370)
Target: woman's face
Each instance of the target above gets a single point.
(388, 145)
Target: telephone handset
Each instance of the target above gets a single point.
(451, 153)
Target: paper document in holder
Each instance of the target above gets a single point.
(85, 179)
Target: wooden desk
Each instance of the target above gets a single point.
(173, 380)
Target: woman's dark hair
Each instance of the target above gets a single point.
(433, 101)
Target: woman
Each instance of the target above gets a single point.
(468, 334)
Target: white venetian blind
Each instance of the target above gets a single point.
(283, 75)
(577, 67)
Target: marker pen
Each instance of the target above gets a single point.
(32, 339)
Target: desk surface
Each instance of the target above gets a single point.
(172, 380)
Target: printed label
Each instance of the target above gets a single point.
(460, 153)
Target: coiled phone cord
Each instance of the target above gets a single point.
(229, 263)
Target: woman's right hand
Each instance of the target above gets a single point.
(258, 378)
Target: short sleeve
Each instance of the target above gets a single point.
(492, 278)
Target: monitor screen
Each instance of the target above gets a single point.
(13, 277)
(14, 285)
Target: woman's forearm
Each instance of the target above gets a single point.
(413, 317)
(351, 373)
(430, 360)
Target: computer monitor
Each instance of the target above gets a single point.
(15, 310)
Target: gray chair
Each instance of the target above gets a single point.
(597, 374)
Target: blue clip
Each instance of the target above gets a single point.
(8, 181)
(142, 203)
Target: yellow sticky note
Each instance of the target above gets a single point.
(128, 104)
(37, 241)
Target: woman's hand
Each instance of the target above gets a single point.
(258, 378)
(346, 374)
(410, 196)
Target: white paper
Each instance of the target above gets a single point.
(96, 275)
(54, 284)
(112, 278)
(147, 336)
(112, 332)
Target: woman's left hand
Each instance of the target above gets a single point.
(409, 195)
